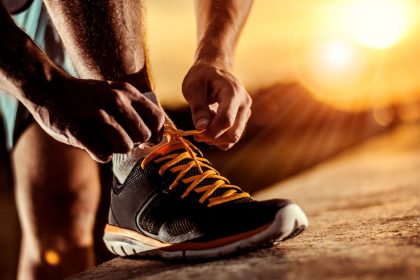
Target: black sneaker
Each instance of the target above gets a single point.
(174, 204)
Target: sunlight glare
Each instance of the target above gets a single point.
(378, 23)
(335, 70)
(337, 54)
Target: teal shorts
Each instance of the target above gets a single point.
(34, 20)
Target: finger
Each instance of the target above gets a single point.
(94, 142)
(225, 147)
(201, 114)
(114, 133)
(225, 116)
(151, 114)
(197, 97)
(118, 138)
(232, 136)
(153, 118)
(133, 124)
(202, 137)
(200, 111)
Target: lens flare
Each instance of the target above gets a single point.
(52, 257)
(378, 23)
(337, 54)
(336, 70)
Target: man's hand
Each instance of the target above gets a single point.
(101, 117)
(219, 104)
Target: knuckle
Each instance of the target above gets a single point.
(126, 86)
(114, 93)
(190, 88)
(119, 99)
(233, 137)
(231, 86)
(186, 84)
(238, 86)
(248, 101)
(227, 120)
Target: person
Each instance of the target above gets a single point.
(167, 199)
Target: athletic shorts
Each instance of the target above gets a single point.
(34, 20)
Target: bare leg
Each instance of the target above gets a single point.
(57, 191)
(104, 38)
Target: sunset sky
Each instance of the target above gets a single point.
(349, 53)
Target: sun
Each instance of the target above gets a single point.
(337, 54)
(378, 23)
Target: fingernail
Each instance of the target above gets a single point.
(202, 124)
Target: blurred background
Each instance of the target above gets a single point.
(350, 54)
(324, 75)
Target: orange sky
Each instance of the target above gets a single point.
(275, 45)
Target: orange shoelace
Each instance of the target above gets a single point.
(176, 142)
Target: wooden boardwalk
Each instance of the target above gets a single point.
(364, 213)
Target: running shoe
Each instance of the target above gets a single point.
(174, 204)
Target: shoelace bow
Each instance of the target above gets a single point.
(191, 152)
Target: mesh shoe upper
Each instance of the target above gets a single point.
(168, 198)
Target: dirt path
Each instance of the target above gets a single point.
(364, 211)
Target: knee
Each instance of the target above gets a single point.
(57, 234)
(57, 192)
(64, 216)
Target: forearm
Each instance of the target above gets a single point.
(219, 24)
(24, 68)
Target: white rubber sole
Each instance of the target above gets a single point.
(289, 222)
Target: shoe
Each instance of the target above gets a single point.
(174, 204)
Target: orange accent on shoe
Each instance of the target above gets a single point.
(135, 235)
(190, 245)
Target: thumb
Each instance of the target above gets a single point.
(201, 115)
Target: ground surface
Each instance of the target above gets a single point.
(364, 211)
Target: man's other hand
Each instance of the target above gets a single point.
(219, 103)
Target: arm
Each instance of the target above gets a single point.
(99, 116)
(24, 68)
(210, 81)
